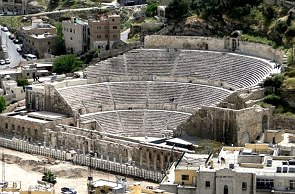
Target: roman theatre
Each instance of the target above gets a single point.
(130, 106)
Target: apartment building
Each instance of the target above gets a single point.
(12, 7)
(39, 38)
(75, 33)
(104, 32)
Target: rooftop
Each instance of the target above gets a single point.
(43, 36)
(192, 161)
(111, 184)
(38, 117)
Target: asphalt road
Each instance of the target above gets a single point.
(12, 54)
(124, 35)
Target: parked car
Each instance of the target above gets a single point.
(11, 36)
(4, 29)
(4, 50)
(7, 61)
(2, 62)
(67, 190)
(16, 41)
(19, 49)
(25, 55)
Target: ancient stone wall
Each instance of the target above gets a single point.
(284, 122)
(215, 44)
(144, 155)
(184, 42)
(227, 125)
(27, 129)
(289, 96)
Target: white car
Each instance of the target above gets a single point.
(4, 50)
(4, 29)
(2, 62)
(7, 61)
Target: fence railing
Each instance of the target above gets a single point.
(100, 163)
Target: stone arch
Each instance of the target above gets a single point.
(245, 138)
(225, 189)
(264, 123)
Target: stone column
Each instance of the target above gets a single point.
(162, 161)
(155, 160)
(140, 157)
(147, 160)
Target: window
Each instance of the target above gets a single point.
(28, 74)
(74, 31)
(185, 177)
(105, 27)
(98, 36)
(264, 183)
(113, 19)
(12, 91)
(70, 29)
(114, 27)
(106, 36)
(71, 38)
(114, 36)
(207, 184)
(48, 43)
(244, 185)
(292, 184)
(6, 125)
(21, 91)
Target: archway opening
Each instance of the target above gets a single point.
(225, 189)
(264, 123)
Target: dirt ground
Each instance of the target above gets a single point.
(28, 169)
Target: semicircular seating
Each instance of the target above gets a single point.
(122, 95)
(137, 122)
(237, 70)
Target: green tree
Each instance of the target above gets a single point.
(2, 103)
(22, 81)
(49, 177)
(60, 48)
(66, 64)
(151, 9)
(177, 10)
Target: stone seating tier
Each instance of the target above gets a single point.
(142, 94)
(137, 122)
(236, 70)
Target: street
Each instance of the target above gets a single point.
(124, 35)
(12, 54)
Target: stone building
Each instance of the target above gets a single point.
(39, 38)
(104, 32)
(75, 33)
(235, 170)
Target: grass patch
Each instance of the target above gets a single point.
(256, 39)
(289, 83)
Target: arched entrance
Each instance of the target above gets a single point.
(264, 123)
(225, 189)
(245, 138)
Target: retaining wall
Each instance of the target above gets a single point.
(97, 162)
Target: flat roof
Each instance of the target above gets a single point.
(47, 115)
(179, 141)
(25, 117)
(111, 184)
(192, 161)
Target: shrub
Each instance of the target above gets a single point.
(2, 103)
(66, 64)
(151, 9)
(272, 99)
(22, 81)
